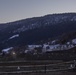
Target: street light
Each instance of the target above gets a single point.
(13, 53)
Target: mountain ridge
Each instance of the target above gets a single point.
(36, 29)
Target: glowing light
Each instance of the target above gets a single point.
(13, 53)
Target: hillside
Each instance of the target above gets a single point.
(37, 29)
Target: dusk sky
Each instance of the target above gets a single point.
(12, 10)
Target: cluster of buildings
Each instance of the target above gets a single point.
(44, 48)
(49, 48)
(35, 49)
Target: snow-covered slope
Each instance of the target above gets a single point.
(7, 49)
(14, 36)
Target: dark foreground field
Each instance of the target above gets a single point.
(50, 73)
(55, 73)
(55, 67)
(47, 73)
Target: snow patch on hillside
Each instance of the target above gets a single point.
(74, 41)
(7, 49)
(14, 36)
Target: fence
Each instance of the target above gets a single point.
(35, 68)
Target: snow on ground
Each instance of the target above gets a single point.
(57, 47)
(7, 49)
(74, 41)
(68, 43)
(17, 35)
(33, 46)
(26, 51)
(53, 41)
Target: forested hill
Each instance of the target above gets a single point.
(36, 29)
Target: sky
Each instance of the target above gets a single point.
(12, 10)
